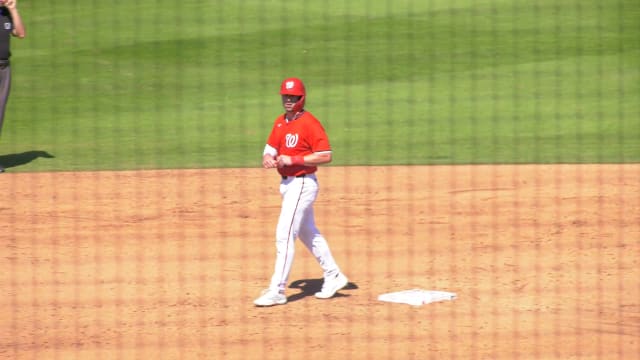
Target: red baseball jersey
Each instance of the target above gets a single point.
(302, 136)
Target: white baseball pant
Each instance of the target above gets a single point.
(297, 221)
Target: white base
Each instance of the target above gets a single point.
(417, 297)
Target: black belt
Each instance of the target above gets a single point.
(4, 62)
(298, 176)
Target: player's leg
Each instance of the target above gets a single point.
(286, 232)
(5, 86)
(297, 196)
(317, 244)
(309, 234)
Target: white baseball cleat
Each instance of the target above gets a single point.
(270, 297)
(331, 286)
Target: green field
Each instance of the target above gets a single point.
(194, 84)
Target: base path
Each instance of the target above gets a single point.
(544, 260)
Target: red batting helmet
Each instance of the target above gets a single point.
(294, 86)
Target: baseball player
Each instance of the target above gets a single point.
(296, 146)
(11, 26)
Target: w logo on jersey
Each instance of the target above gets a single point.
(291, 140)
(7, 26)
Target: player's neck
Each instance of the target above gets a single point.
(290, 115)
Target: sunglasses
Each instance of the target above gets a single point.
(291, 98)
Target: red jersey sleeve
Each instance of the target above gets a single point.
(318, 139)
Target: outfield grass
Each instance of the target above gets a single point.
(193, 84)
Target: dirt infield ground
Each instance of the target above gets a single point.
(161, 264)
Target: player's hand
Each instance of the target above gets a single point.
(269, 162)
(10, 4)
(284, 160)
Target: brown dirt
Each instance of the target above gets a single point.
(165, 264)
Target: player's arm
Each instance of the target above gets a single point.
(313, 159)
(18, 25)
(317, 158)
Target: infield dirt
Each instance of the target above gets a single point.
(544, 259)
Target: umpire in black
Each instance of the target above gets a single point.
(12, 25)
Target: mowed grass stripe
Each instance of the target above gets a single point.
(152, 86)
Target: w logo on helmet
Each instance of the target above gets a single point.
(291, 140)
(292, 86)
